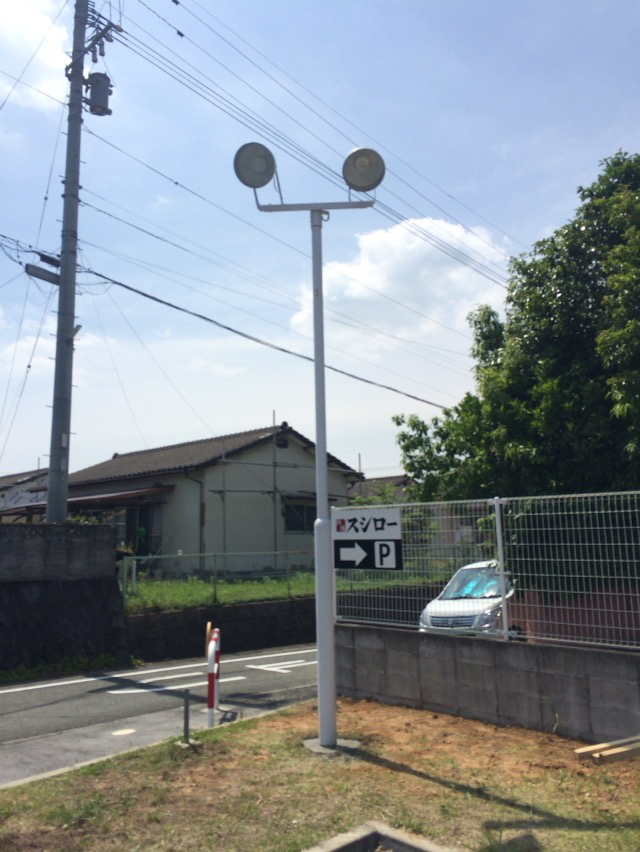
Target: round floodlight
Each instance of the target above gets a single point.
(363, 169)
(254, 165)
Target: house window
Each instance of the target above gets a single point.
(140, 528)
(299, 516)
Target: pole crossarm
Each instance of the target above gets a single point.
(93, 42)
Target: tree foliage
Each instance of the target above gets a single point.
(557, 402)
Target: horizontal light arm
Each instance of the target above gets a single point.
(331, 205)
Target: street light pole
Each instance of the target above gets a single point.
(363, 170)
(325, 578)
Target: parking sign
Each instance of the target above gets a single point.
(367, 537)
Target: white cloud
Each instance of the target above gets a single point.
(29, 41)
(32, 353)
(205, 366)
(175, 379)
(403, 285)
(160, 201)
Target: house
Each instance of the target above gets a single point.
(247, 492)
(390, 488)
(22, 494)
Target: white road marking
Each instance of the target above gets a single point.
(80, 680)
(284, 668)
(269, 656)
(140, 690)
(166, 677)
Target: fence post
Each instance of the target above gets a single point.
(497, 503)
(122, 575)
(287, 563)
(127, 577)
(214, 574)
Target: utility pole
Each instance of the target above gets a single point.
(58, 486)
(58, 482)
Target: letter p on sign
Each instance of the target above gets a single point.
(385, 554)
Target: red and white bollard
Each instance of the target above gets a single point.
(216, 639)
(213, 663)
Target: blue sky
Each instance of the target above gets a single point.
(488, 115)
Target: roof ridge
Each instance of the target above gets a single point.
(190, 443)
(188, 455)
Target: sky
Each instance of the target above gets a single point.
(489, 116)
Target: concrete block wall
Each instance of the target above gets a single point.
(44, 552)
(59, 595)
(580, 693)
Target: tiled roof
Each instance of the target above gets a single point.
(373, 487)
(10, 480)
(188, 456)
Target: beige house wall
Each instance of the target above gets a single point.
(240, 513)
(244, 499)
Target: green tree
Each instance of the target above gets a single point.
(557, 402)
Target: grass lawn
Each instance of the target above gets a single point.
(253, 785)
(169, 593)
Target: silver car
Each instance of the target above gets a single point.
(471, 602)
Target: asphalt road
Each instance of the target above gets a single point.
(50, 726)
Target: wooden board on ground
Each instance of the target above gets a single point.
(609, 752)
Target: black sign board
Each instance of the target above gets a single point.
(384, 555)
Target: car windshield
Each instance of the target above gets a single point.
(474, 583)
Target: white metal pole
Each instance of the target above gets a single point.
(322, 527)
(325, 578)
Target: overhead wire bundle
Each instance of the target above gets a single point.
(197, 83)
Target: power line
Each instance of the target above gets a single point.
(260, 279)
(118, 376)
(211, 203)
(255, 339)
(247, 117)
(295, 150)
(33, 55)
(170, 275)
(250, 119)
(304, 102)
(19, 249)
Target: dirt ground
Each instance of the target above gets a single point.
(456, 782)
(517, 752)
(513, 753)
(454, 774)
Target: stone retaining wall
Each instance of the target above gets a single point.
(243, 627)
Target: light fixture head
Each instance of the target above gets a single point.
(254, 165)
(363, 169)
